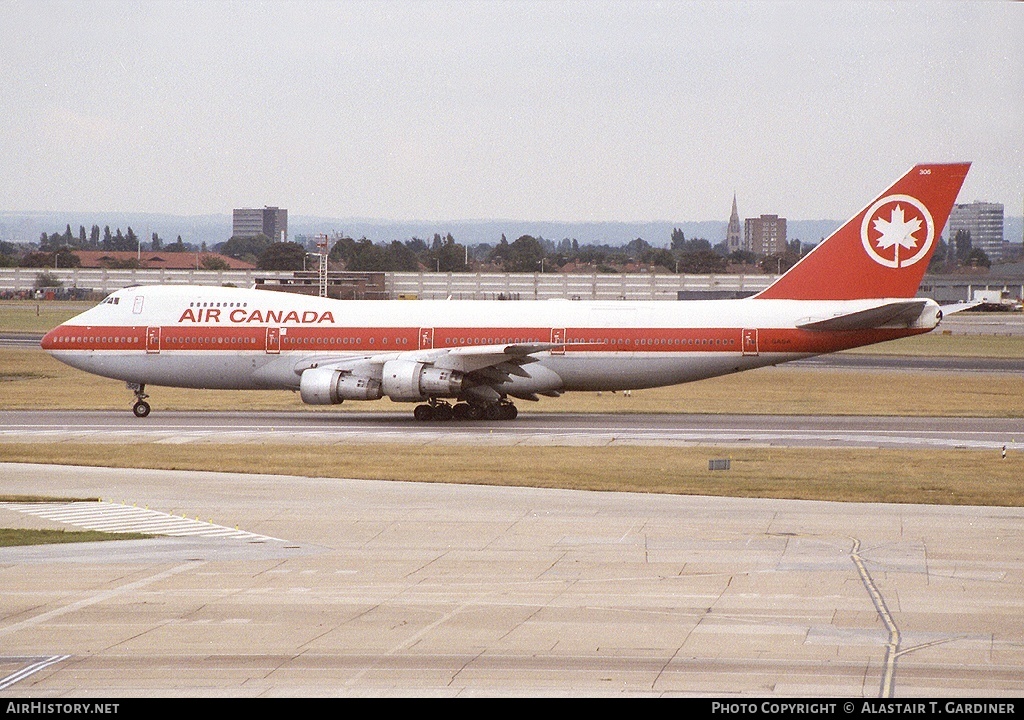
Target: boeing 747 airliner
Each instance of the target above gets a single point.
(467, 359)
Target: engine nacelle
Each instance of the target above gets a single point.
(328, 386)
(930, 317)
(411, 380)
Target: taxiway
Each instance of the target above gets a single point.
(369, 588)
(530, 429)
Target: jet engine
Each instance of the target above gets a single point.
(328, 386)
(411, 380)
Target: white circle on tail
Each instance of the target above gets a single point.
(897, 231)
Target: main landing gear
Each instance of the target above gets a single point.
(442, 411)
(141, 408)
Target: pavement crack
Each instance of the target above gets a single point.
(679, 649)
(892, 646)
(99, 597)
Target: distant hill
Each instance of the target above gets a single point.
(27, 226)
(214, 229)
(474, 232)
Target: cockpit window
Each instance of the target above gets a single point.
(111, 300)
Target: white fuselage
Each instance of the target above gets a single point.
(229, 338)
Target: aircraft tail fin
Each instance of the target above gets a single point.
(883, 251)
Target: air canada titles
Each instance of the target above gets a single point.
(243, 316)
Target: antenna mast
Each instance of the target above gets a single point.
(321, 245)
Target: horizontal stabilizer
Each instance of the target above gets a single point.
(891, 314)
(960, 307)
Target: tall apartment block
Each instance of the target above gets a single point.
(269, 221)
(765, 235)
(984, 220)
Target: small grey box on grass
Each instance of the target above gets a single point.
(718, 464)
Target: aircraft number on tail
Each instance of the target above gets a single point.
(897, 231)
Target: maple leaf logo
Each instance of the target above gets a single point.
(904, 238)
(897, 230)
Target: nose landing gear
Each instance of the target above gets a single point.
(141, 408)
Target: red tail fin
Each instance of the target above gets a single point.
(884, 250)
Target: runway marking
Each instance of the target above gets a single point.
(40, 664)
(98, 598)
(597, 435)
(781, 438)
(116, 518)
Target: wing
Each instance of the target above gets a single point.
(472, 358)
(487, 366)
(903, 313)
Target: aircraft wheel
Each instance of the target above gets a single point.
(443, 413)
(493, 412)
(461, 411)
(474, 412)
(423, 412)
(509, 411)
(141, 409)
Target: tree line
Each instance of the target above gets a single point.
(526, 254)
(58, 249)
(958, 253)
(108, 241)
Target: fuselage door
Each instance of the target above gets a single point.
(426, 338)
(273, 340)
(749, 341)
(558, 337)
(153, 340)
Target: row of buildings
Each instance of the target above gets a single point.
(766, 235)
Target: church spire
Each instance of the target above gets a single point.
(734, 235)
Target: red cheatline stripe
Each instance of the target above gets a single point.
(634, 340)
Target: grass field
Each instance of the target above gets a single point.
(938, 344)
(37, 317)
(9, 537)
(31, 379)
(848, 475)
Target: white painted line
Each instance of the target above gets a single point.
(110, 517)
(28, 670)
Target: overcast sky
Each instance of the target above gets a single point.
(536, 110)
